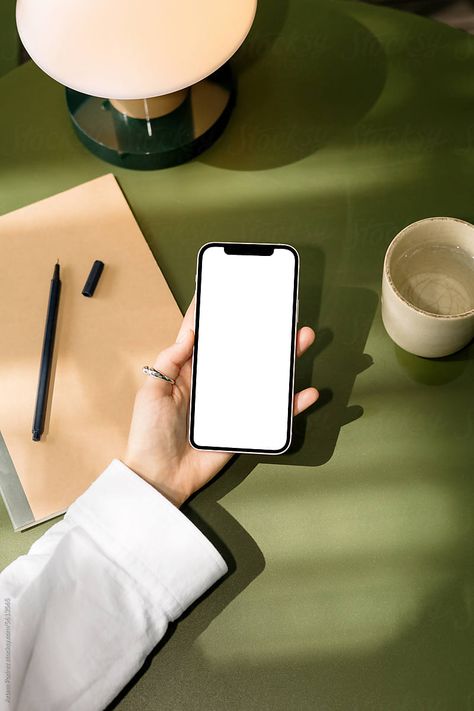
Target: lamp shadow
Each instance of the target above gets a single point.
(269, 21)
(287, 107)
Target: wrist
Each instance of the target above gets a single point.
(162, 483)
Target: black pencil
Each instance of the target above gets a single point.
(47, 355)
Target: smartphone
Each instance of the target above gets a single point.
(244, 350)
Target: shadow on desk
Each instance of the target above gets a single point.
(339, 358)
(299, 84)
(434, 371)
(392, 632)
(339, 355)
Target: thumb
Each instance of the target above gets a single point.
(171, 360)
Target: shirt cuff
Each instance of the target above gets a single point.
(148, 537)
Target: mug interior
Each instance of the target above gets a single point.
(430, 265)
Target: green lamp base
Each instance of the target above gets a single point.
(150, 144)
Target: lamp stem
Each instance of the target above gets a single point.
(150, 108)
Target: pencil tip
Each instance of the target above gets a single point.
(57, 261)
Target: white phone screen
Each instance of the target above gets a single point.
(243, 368)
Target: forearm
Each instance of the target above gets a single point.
(97, 591)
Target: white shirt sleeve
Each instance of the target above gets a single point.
(82, 610)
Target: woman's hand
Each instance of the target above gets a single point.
(158, 448)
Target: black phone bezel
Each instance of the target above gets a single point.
(264, 249)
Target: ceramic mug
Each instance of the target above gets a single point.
(428, 287)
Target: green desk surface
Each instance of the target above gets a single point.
(351, 582)
(9, 44)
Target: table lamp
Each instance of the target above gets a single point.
(148, 83)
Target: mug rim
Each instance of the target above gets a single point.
(387, 273)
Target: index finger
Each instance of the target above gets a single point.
(188, 320)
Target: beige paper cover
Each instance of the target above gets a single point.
(101, 342)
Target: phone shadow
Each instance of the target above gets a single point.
(334, 366)
(334, 363)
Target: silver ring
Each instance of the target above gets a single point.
(148, 370)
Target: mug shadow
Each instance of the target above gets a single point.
(434, 371)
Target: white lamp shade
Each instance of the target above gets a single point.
(132, 49)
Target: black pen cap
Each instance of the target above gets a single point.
(93, 278)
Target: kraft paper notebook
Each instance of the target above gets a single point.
(101, 342)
